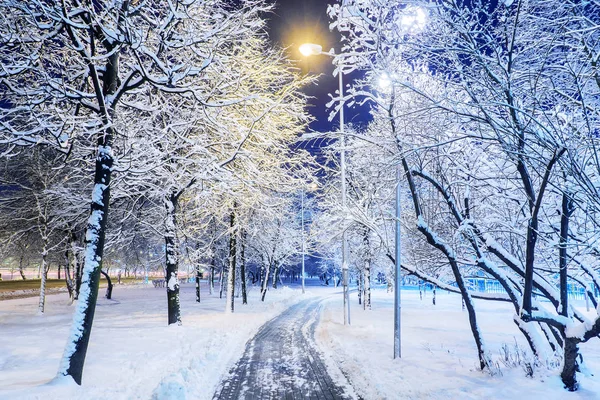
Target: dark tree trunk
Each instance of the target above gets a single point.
(76, 350)
(367, 286)
(532, 227)
(198, 284)
(232, 264)
(109, 288)
(571, 348)
(243, 267)
(68, 280)
(172, 260)
(571, 366)
(21, 268)
(276, 273)
(58, 271)
(221, 282)
(567, 209)
(78, 269)
(360, 287)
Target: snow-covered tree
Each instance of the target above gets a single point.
(515, 81)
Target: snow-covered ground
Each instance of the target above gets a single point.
(132, 353)
(439, 358)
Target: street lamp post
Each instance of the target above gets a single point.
(311, 187)
(311, 49)
(397, 302)
(303, 244)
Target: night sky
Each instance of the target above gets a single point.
(300, 21)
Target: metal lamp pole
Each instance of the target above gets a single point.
(303, 244)
(310, 49)
(397, 302)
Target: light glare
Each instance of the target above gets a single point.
(310, 49)
(413, 19)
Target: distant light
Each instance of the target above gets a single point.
(413, 19)
(310, 49)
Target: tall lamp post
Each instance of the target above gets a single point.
(311, 49)
(413, 20)
(310, 188)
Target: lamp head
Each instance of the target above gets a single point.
(310, 49)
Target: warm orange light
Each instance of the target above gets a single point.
(310, 49)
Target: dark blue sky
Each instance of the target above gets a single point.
(300, 21)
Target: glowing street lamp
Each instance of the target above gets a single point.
(311, 49)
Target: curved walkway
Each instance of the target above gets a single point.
(282, 362)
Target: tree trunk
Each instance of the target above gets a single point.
(570, 364)
(44, 272)
(221, 282)
(367, 286)
(77, 266)
(276, 276)
(68, 280)
(172, 260)
(109, 287)
(243, 267)
(567, 209)
(58, 271)
(360, 288)
(21, 268)
(263, 290)
(211, 285)
(197, 284)
(76, 349)
(571, 348)
(230, 301)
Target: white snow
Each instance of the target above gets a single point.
(133, 354)
(439, 357)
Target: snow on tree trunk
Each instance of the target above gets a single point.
(229, 304)
(221, 282)
(263, 290)
(172, 260)
(211, 285)
(74, 355)
(44, 269)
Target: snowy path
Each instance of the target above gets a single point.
(283, 362)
